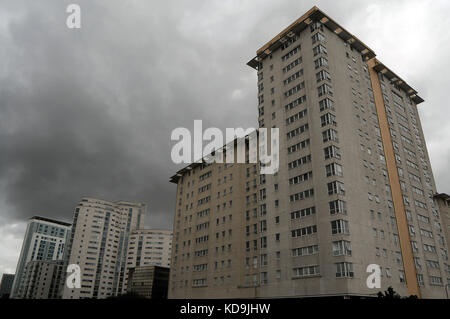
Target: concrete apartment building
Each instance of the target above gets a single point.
(45, 239)
(98, 244)
(148, 247)
(354, 188)
(217, 231)
(42, 279)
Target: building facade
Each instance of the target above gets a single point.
(148, 247)
(354, 187)
(98, 244)
(6, 285)
(45, 239)
(42, 279)
(216, 230)
(443, 202)
(149, 281)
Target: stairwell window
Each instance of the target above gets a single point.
(339, 226)
(328, 119)
(318, 37)
(336, 188)
(344, 270)
(321, 62)
(325, 89)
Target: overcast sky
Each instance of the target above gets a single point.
(89, 112)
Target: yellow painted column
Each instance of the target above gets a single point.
(394, 181)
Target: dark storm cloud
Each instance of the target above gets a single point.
(89, 112)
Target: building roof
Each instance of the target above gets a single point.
(45, 219)
(315, 14)
(174, 179)
(380, 67)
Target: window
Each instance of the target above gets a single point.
(303, 213)
(339, 226)
(342, 248)
(264, 278)
(295, 89)
(323, 75)
(326, 104)
(302, 195)
(320, 49)
(328, 119)
(293, 77)
(318, 37)
(332, 152)
(420, 280)
(330, 135)
(295, 103)
(435, 281)
(292, 65)
(336, 188)
(304, 231)
(300, 178)
(401, 275)
(333, 169)
(289, 42)
(338, 207)
(316, 26)
(299, 146)
(344, 270)
(298, 162)
(305, 251)
(299, 130)
(321, 62)
(306, 271)
(290, 53)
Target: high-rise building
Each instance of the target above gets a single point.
(149, 281)
(98, 244)
(148, 247)
(216, 230)
(354, 186)
(45, 239)
(6, 285)
(42, 279)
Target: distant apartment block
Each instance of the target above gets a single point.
(98, 244)
(45, 240)
(354, 188)
(443, 202)
(148, 247)
(6, 285)
(149, 281)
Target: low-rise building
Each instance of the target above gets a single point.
(149, 281)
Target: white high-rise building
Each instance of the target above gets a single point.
(98, 245)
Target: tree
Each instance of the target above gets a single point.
(391, 294)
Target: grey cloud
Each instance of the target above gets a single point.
(89, 112)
